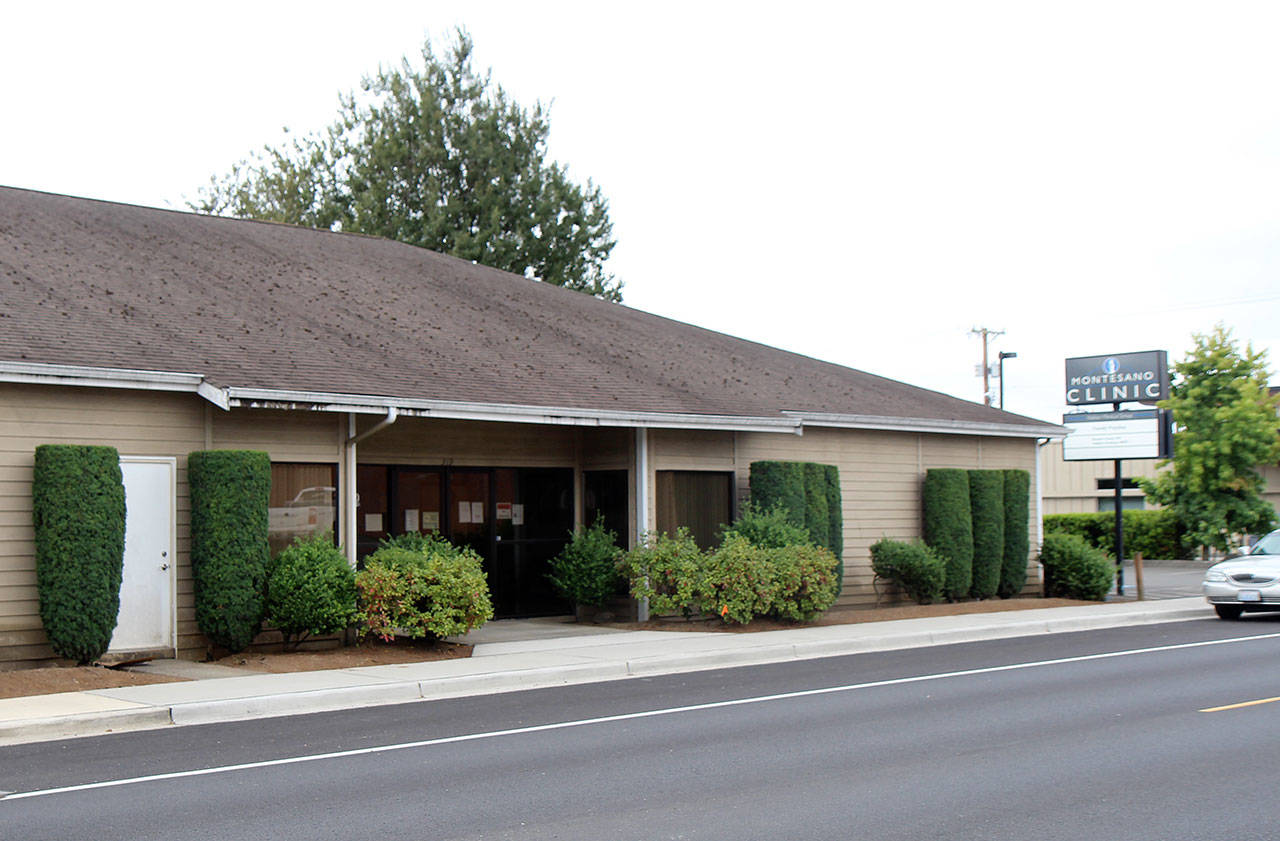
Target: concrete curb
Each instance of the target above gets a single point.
(584, 661)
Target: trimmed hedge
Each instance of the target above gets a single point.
(230, 492)
(948, 526)
(311, 590)
(915, 568)
(810, 495)
(1073, 569)
(78, 510)
(1155, 533)
(835, 521)
(817, 509)
(986, 506)
(1017, 544)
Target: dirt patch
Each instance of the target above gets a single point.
(52, 679)
(368, 653)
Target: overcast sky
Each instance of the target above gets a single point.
(863, 183)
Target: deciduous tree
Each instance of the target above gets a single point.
(1226, 426)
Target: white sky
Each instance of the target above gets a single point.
(862, 183)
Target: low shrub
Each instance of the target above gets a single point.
(1073, 569)
(770, 529)
(915, 568)
(586, 571)
(736, 581)
(437, 592)
(311, 590)
(665, 570)
(808, 581)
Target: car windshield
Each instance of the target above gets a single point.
(1269, 545)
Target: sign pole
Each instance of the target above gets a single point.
(1119, 525)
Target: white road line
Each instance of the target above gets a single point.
(562, 725)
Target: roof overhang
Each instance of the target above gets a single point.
(934, 425)
(789, 421)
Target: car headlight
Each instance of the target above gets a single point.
(1214, 575)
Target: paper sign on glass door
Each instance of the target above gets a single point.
(464, 512)
(411, 519)
(477, 512)
(517, 515)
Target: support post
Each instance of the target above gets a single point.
(642, 503)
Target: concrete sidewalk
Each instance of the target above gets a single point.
(549, 658)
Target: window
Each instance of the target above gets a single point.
(700, 501)
(303, 502)
(1128, 503)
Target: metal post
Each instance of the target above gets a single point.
(1119, 535)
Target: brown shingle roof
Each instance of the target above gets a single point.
(260, 305)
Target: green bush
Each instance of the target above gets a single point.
(666, 571)
(437, 592)
(411, 540)
(817, 509)
(1017, 545)
(767, 529)
(311, 590)
(913, 567)
(948, 526)
(986, 504)
(230, 492)
(736, 582)
(775, 483)
(807, 581)
(1155, 533)
(586, 571)
(78, 510)
(1073, 569)
(835, 513)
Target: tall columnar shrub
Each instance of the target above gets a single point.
(78, 510)
(986, 506)
(835, 520)
(817, 516)
(776, 483)
(948, 526)
(1017, 545)
(230, 490)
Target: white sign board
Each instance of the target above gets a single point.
(1106, 436)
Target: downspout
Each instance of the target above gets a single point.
(642, 504)
(349, 472)
(1039, 536)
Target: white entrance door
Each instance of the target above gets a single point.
(146, 619)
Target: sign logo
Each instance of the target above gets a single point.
(1110, 365)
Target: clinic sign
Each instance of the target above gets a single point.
(1118, 378)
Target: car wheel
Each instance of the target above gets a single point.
(1228, 611)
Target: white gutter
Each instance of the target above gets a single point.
(256, 398)
(935, 425)
(41, 373)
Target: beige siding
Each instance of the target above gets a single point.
(880, 477)
(135, 423)
(426, 441)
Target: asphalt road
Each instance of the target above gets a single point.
(1076, 736)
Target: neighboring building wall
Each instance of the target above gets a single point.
(1071, 487)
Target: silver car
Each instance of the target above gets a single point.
(1250, 582)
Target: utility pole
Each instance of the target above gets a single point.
(987, 335)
